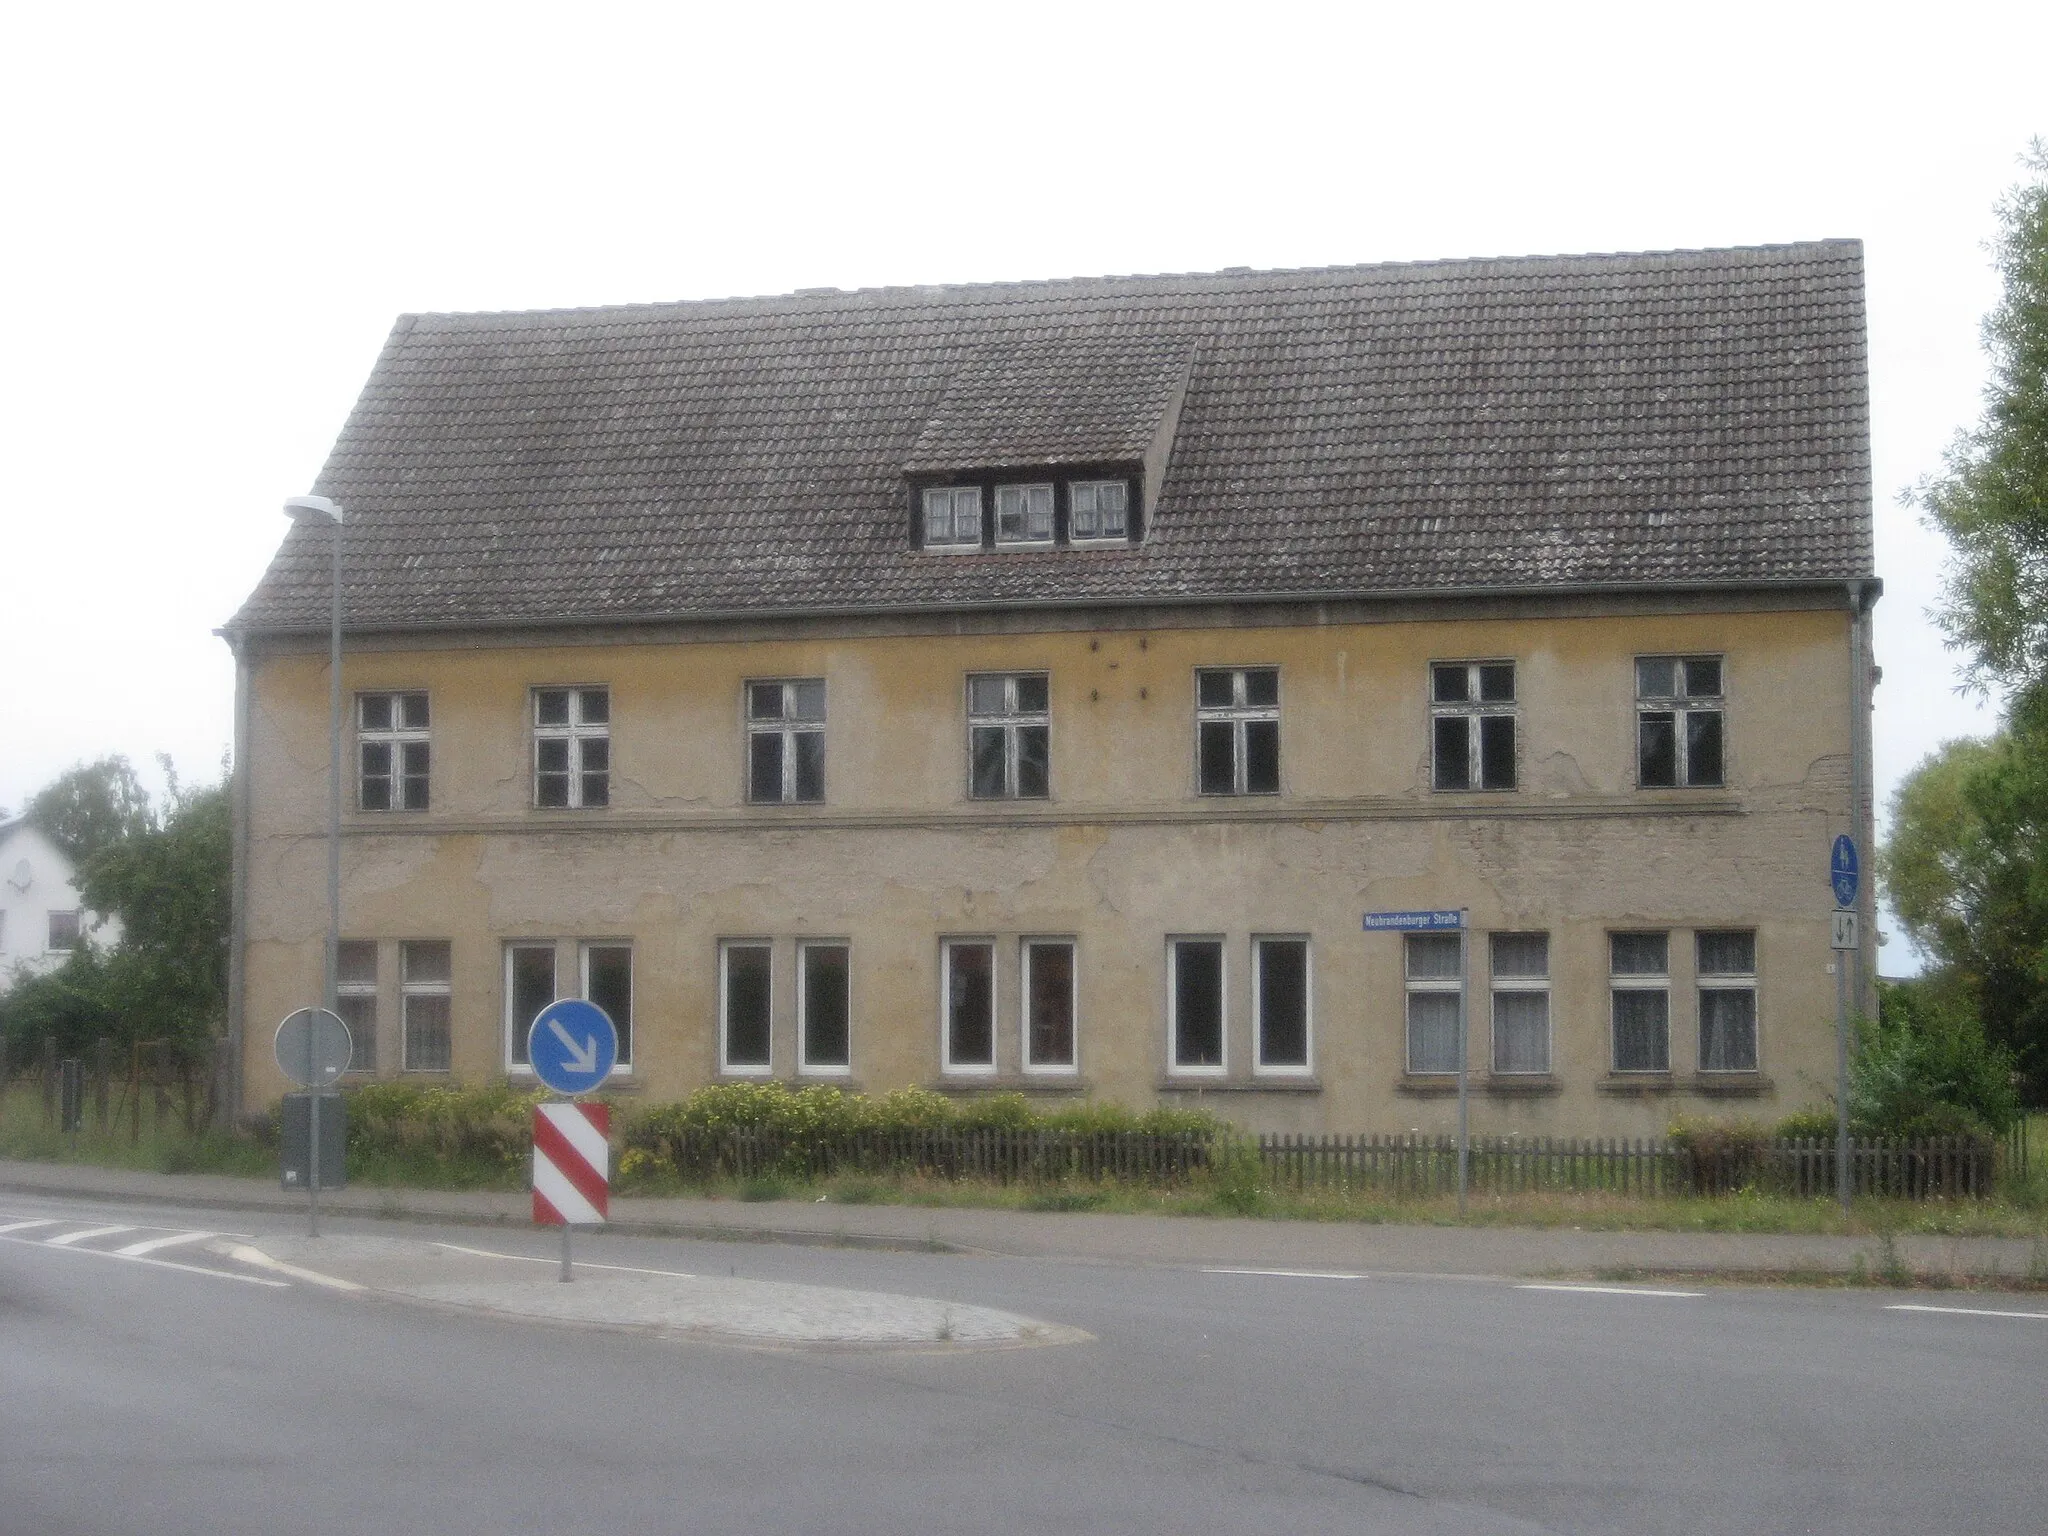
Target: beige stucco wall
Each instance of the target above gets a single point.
(1123, 856)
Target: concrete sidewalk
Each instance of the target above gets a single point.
(1124, 1239)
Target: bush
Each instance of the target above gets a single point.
(1814, 1123)
(1722, 1155)
(492, 1123)
(1927, 1069)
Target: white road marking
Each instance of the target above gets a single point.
(1287, 1274)
(23, 1226)
(151, 1245)
(78, 1237)
(243, 1254)
(1605, 1290)
(527, 1258)
(1907, 1306)
(109, 1253)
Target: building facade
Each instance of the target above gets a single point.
(42, 920)
(1030, 688)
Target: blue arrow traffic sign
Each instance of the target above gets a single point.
(1415, 922)
(572, 1045)
(1844, 873)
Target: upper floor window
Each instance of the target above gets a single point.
(952, 517)
(1237, 730)
(1099, 509)
(65, 926)
(572, 746)
(1678, 721)
(391, 751)
(786, 741)
(1472, 724)
(1009, 730)
(1024, 514)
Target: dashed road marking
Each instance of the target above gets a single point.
(1908, 1306)
(151, 1245)
(527, 1258)
(69, 1238)
(1288, 1274)
(23, 1226)
(1605, 1290)
(124, 1258)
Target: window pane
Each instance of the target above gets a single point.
(764, 701)
(1521, 954)
(1453, 749)
(359, 1013)
(426, 1034)
(810, 699)
(63, 931)
(1521, 1031)
(552, 753)
(596, 753)
(1640, 954)
(986, 746)
(1703, 677)
(413, 762)
(533, 988)
(1031, 694)
(826, 1006)
(1033, 762)
(376, 711)
(1198, 1004)
(551, 706)
(1432, 1031)
(810, 765)
(1497, 751)
(1262, 757)
(596, 705)
(413, 711)
(1213, 690)
(1656, 677)
(970, 1005)
(1497, 682)
(375, 781)
(1049, 1029)
(746, 1005)
(551, 789)
(1038, 512)
(1262, 688)
(988, 695)
(426, 962)
(1433, 956)
(610, 969)
(597, 789)
(1642, 1030)
(1448, 684)
(1113, 502)
(1703, 746)
(1727, 1029)
(1283, 1002)
(764, 766)
(1656, 749)
(1727, 954)
(1218, 757)
(356, 963)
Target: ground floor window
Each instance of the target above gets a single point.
(1195, 1007)
(1049, 1005)
(1521, 1001)
(1434, 963)
(967, 1004)
(603, 974)
(426, 988)
(824, 1005)
(355, 999)
(745, 996)
(1727, 984)
(1280, 995)
(529, 987)
(608, 982)
(1639, 979)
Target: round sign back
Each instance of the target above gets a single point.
(313, 1047)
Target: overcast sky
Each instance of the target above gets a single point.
(212, 215)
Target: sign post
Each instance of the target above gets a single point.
(1844, 876)
(573, 1046)
(1445, 920)
(313, 1048)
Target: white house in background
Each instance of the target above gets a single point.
(41, 917)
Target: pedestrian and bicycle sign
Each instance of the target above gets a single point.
(1845, 872)
(572, 1045)
(572, 1165)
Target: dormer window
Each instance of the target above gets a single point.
(1101, 510)
(1023, 514)
(952, 517)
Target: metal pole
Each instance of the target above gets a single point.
(1842, 1077)
(1464, 1098)
(567, 1273)
(331, 966)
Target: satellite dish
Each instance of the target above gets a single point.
(23, 877)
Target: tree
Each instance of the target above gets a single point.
(1992, 498)
(91, 806)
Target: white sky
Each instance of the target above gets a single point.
(211, 214)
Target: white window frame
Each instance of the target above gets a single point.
(1474, 710)
(1094, 489)
(1681, 706)
(1501, 985)
(947, 1064)
(1638, 981)
(1237, 714)
(727, 1067)
(953, 494)
(512, 1026)
(1260, 1066)
(788, 727)
(1011, 721)
(1026, 494)
(1705, 981)
(1436, 986)
(575, 732)
(362, 1056)
(408, 991)
(50, 917)
(1221, 1066)
(394, 738)
(1025, 946)
(804, 1065)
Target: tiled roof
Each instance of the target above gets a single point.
(1686, 417)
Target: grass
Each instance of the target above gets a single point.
(161, 1147)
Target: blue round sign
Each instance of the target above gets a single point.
(1844, 874)
(572, 1045)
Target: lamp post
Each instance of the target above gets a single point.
(317, 511)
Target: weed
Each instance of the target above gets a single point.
(760, 1189)
(1060, 1198)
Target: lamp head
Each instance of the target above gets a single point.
(316, 510)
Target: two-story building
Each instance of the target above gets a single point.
(43, 921)
(1031, 686)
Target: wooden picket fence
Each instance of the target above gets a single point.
(116, 1084)
(946, 1152)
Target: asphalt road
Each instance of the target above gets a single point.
(168, 1392)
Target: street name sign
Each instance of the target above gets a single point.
(1415, 922)
(313, 1047)
(1845, 872)
(572, 1164)
(572, 1045)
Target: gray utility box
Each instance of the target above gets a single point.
(297, 1144)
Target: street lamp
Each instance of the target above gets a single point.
(313, 512)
